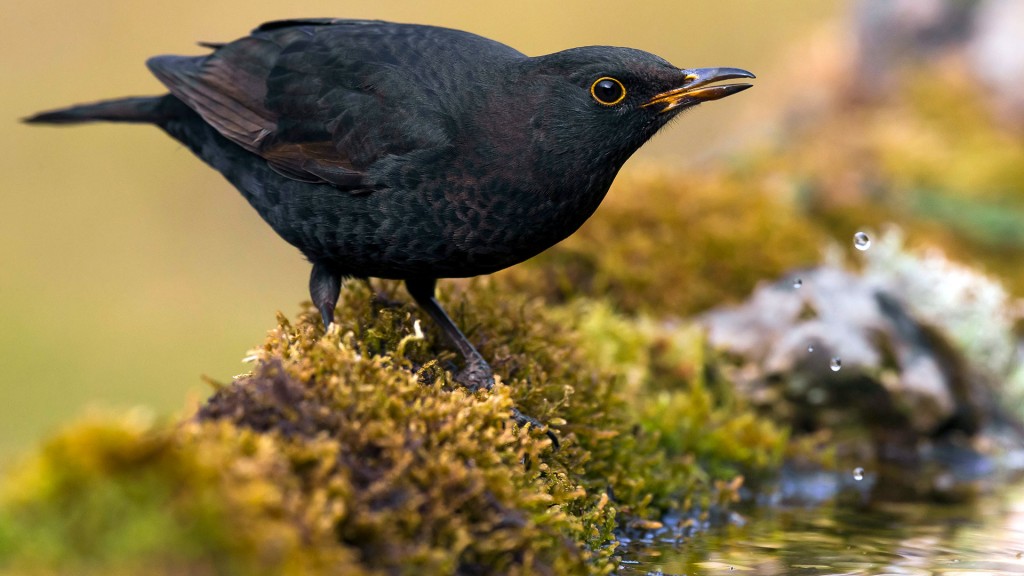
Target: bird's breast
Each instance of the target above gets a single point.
(498, 222)
(453, 217)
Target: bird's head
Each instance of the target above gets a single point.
(604, 102)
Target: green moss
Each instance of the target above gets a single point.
(931, 157)
(121, 496)
(353, 452)
(669, 243)
(679, 398)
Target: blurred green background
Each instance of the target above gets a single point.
(128, 269)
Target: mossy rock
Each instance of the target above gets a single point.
(353, 452)
(666, 243)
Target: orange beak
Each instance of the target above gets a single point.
(696, 89)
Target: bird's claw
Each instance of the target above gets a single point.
(479, 376)
(476, 377)
(522, 420)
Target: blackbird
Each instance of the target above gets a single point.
(412, 152)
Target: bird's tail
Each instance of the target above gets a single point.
(144, 109)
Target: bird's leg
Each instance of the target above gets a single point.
(324, 288)
(477, 374)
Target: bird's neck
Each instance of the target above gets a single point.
(578, 192)
(554, 203)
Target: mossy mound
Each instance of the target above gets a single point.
(352, 452)
(928, 156)
(668, 243)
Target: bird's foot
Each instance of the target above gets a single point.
(522, 419)
(479, 376)
(476, 376)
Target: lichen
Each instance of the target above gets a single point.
(971, 308)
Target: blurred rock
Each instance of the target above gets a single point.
(996, 55)
(911, 401)
(898, 38)
(892, 34)
(896, 373)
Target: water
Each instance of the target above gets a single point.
(861, 241)
(798, 283)
(911, 539)
(835, 364)
(858, 473)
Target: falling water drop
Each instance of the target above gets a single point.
(858, 473)
(798, 283)
(861, 241)
(836, 364)
(810, 347)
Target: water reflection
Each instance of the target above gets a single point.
(986, 537)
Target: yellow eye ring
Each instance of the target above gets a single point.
(607, 91)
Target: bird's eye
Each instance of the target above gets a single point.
(608, 91)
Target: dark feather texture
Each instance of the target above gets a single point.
(412, 152)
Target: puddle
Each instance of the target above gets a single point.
(910, 539)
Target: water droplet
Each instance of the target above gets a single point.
(835, 364)
(810, 348)
(861, 241)
(858, 473)
(798, 283)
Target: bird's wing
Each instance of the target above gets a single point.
(322, 100)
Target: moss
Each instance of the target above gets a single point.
(671, 243)
(352, 452)
(120, 496)
(680, 399)
(930, 156)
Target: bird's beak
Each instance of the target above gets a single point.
(696, 89)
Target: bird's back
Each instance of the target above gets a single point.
(323, 100)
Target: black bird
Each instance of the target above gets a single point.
(412, 152)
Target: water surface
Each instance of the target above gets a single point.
(985, 537)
